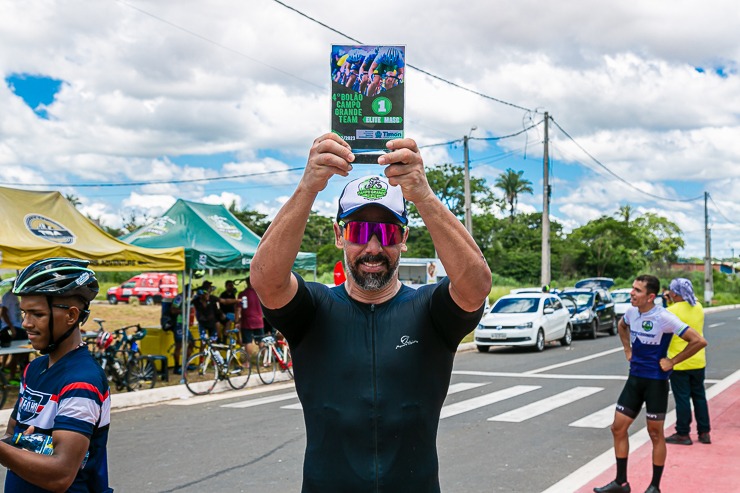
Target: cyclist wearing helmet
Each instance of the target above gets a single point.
(63, 393)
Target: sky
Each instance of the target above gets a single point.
(171, 98)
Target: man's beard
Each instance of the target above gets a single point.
(371, 281)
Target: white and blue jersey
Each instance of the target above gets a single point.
(71, 395)
(650, 336)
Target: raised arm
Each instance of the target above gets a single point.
(270, 268)
(470, 276)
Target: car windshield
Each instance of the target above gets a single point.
(516, 305)
(582, 299)
(621, 297)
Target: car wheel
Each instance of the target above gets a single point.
(149, 300)
(112, 299)
(539, 345)
(594, 328)
(613, 328)
(483, 349)
(568, 337)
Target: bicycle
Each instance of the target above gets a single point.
(271, 354)
(204, 369)
(121, 358)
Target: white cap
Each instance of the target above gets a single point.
(372, 190)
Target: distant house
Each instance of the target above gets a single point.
(696, 266)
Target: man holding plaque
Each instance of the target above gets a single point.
(372, 357)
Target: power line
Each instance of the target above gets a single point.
(442, 79)
(216, 43)
(720, 212)
(154, 182)
(603, 166)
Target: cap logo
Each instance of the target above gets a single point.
(372, 189)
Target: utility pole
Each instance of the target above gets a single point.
(732, 249)
(545, 276)
(708, 272)
(468, 215)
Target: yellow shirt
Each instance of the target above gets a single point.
(694, 317)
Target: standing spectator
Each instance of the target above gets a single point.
(687, 379)
(206, 310)
(251, 322)
(227, 301)
(11, 330)
(372, 356)
(178, 304)
(645, 332)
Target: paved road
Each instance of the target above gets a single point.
(514, 421)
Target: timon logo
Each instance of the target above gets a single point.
(647, 325)
(31, 404)
(372, 189)
(48, 229)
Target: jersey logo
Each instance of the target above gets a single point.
(31, 405)
(647, 325)
(406, 341)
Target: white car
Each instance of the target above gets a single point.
(524, 319)
(621, 299)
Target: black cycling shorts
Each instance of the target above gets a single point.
(638, 391)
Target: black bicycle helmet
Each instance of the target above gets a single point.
(58, 277)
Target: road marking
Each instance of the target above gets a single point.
(263, 400)
(484, 400)
(551, 376)
(715, 325)
(599, 419)
(463, 386)
(545, 405)
(190, 400)
(296, 406)
(574, 361)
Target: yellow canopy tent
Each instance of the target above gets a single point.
(37, 225)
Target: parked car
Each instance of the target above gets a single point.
(524, 319)
(621, 299)
(594, 311)
(148, 288)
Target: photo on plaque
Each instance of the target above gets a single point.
(367, 97)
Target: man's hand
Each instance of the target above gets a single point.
(406, 168)
(329, 155)
(628, 354)
(666, 364)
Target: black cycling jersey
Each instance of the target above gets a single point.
(372, 380)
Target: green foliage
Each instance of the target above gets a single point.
(256, 221)
(513, 185)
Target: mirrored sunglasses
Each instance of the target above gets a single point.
(360, 232)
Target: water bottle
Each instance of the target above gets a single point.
(244, 302)
(217, 356)
(36, 442)
(40, 444)
(117, 367)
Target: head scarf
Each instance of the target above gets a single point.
(683, 287)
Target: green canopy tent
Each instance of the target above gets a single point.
(213, 238)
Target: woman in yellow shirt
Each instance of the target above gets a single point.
(687, 379)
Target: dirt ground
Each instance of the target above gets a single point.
(122, 314)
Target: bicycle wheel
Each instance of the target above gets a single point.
(140, 374)
(201, 374)
(287, 359)
(238, 369)
(266, 365)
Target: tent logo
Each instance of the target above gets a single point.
(158, 227)
(224, 226)
(48, 229)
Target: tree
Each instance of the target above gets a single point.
(661, 238)
(625, 212)
(134, 220)
(256, 221)
(513, 185)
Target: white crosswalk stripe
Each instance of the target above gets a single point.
(599, 419)
(545, 405)
(485, 400)
(262, 400)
